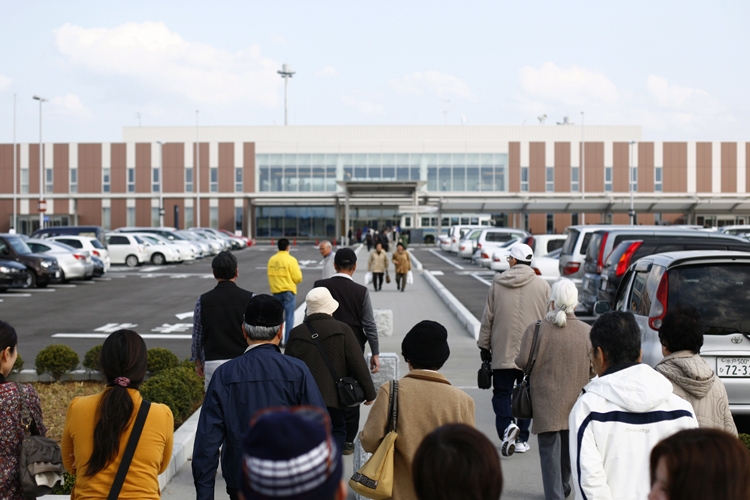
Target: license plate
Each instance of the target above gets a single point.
(57, 274)
(603, 284)
(733, 367)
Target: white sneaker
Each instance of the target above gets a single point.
(522, 447)
(508, 446)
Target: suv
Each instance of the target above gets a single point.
(604, 240)
(93, 231)
(716, 283)
(42, 269)
(126, 249)
(629, 251)
(574, 251)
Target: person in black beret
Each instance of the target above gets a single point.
(426, 400)
(261, 378)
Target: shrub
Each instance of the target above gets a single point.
(160, 359)
(745, 438)
(18, 365)
(66, 487)
(92, 361)
(179, 388)
(56, 359)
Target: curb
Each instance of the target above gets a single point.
(464, 316)
(26, 376)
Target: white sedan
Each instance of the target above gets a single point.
(160, 250)
(93, 245)
(548, 266)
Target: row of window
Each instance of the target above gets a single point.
(213, 217)
(575, 184)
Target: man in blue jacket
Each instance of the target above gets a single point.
(261, 378)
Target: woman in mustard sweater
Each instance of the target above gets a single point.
(97, 427)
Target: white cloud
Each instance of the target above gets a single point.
(71, 105)
(571, 86)
(327, 71)
(158, 58)
(4, 82)
(363, 106)
(433, 82)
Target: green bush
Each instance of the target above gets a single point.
(56, 359)
(160, 359)
(745, 438)
(18, 365)
(66, 487)
(179, 388)
(92, 361)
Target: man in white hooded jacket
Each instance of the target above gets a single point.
(621, 415)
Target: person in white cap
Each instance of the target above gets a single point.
(341, 347)
(517, 298)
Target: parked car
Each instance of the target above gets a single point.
(93, 245)
(92, 231)
(191, 251)
(547, 266)
(604, 240)
(12, 275)
(202, 247)
(99, 270)
(213, 234)
(244, 241)
(42, 269)
(716, 283)
(75, 264)
(543, 244)
(499, 260)
(739, 230)
(160, 251)
(126, 249)
(490, 238)
(215, 246)
(456, 234)
(468, 245)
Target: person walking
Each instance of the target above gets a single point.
(681, 336)
(516, 298)
(368, 240)
(378, 266)
(11, 428)
(426, 400)
(402, 262)
(97, 428)
(217, 319)
(326, 250)
(284, 275)
(340, 345)
(561, 370)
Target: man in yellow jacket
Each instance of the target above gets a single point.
(283, 275)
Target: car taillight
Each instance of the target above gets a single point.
(485, 256)
(96, 252)
(537, 271)
(495, 258)
(529, 241)
(624, 262)
(79, 256)
(571, 268)
(600, 260)
(659, 307)
(479, 245)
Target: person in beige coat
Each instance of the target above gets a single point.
(378, 266)
(681, 336)
(561, 370)
(516, 298)
(426, 400)
(402, 261)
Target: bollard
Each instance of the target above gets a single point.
(271, 241)
(317, 242)
(295, 242)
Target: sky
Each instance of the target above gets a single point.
(679, 69)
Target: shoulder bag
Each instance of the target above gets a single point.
(375, 478)
(40, 465)
(520, 401)
(349, 391)
(127, 457)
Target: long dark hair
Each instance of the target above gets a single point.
(8, 337)
(123, 355)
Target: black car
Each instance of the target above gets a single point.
(12, 275)
(98, 266)
(42, 269)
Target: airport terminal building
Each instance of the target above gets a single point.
(313, 182)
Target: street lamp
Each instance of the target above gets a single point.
(42, 203)
(631, 212)
(583, 177)
(286, 73)
(161, 183)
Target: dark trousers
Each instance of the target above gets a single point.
(352, 412)
(502, 388)
(377, 280)
(234, 494)
(555, 461)
(401, 281)
(338, 425)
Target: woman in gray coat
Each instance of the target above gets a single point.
(562, 369)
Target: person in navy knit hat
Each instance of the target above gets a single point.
(288, 453)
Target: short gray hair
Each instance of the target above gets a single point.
(257, 333)
(325, 243)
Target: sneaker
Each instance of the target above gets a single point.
(508, 446)
(348, 449)
(522, 447)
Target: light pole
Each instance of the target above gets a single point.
(286, 73)
(15, 170)
(161, 183)
(583, 177)
(631, 212)
(197, 219)
(42, 203)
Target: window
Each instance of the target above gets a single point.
(188, 179)
(155, 180)
(634, 180)
(106, 218)
(213, 181)
(657, 180)
(131, 181)
(48, 181)
(550, 175)
(130, 216)
(407, 221)
(154, 216)
(24, 180)
(189, 220)
(118, 240)
(106, 177)
(238, 216)
(73, 180)
(550, 223)
(575, 183)
(524, 179)
(213, 217)
(608, 179)
(238, 180)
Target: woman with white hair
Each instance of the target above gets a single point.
(561, 370)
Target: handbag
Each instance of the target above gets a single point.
(484, 375)
(387, 276)
(368, 278)
(520, 400)
(349, 391)
(409, 278)
(375, 478)
(40, 465)
(127, 457)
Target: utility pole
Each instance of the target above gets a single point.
(42, 203)
(286, 73)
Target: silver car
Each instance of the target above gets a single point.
(74, 263)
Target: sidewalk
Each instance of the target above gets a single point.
(420, 301)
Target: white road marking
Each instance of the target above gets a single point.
(436, 254)
(35, 290)
(177, 327)
(113, 327)
(85, 283)
(19, 295)
(479, 278)
(102, 279)
(62, 285)
(436, 273)
(184, 315)
(105, 335)
(149, 269)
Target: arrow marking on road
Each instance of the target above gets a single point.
(113, 327)
(177, 327)
(184, 315)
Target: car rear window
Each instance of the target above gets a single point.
(553, 245)
(70, 242)
(719, 291)
(570, 242)
(592, 251)
(96, 243)
(498, 237)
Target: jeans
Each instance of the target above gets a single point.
(377, 281)
(338, 424)
(555, 461)
(288, 301)
(502, 388)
